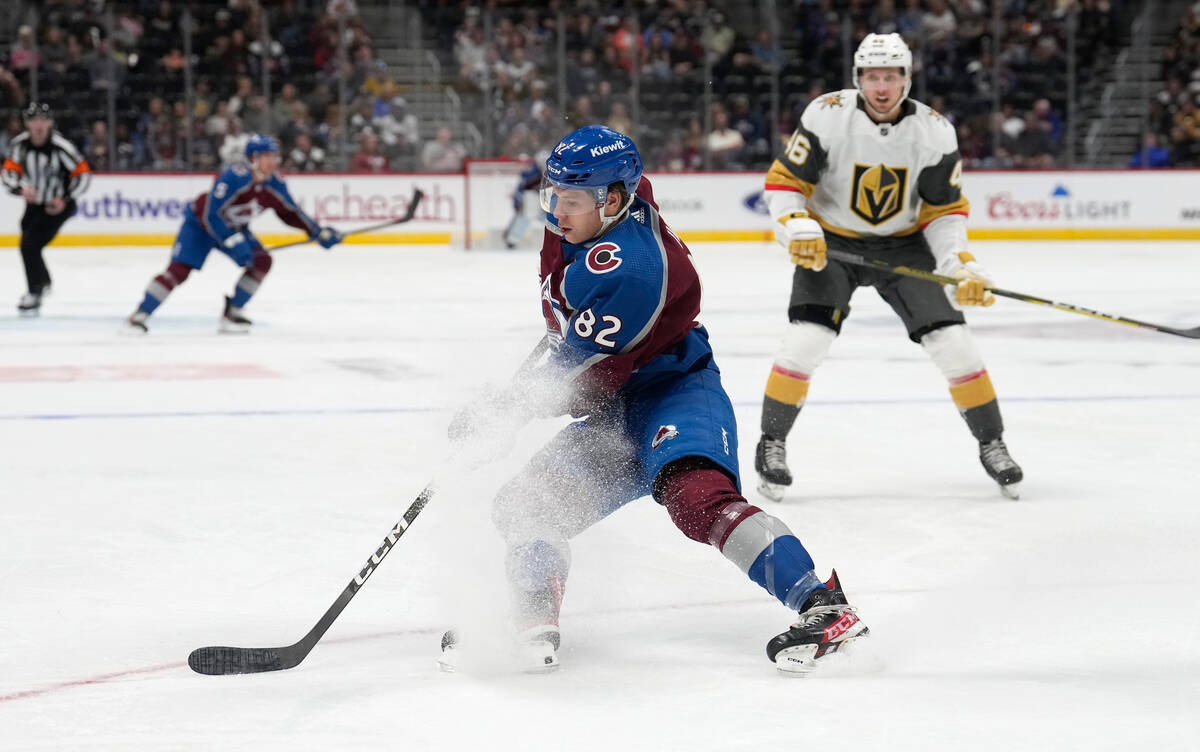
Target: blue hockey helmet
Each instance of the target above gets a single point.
(259, 144)
(592, 158)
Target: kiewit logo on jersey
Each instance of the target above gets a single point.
(614, 146)
(603, 258)
(664, 433)
(878, 191)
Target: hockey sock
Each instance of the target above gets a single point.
(162, 285)
(805, 345)
(954, 352)
(537, 572)
(705, 505)
(251, 279)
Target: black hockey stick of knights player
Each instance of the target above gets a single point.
(218, 660)
(418, 194)
(907, 271)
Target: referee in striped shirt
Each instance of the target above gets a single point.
(46, 170)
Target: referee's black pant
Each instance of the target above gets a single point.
(38, 228)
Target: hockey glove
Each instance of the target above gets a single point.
(328, 237)
(239, 248)
(973, 281)
(804, 239)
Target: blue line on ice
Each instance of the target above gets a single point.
(404, 410)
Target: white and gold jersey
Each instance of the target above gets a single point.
(862, 178)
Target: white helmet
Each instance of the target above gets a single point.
(884, 51)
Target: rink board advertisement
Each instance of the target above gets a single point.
(144, 209)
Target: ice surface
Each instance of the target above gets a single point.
(192, 489)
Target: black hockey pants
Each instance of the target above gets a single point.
(38, 228)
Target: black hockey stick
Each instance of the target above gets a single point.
(218, 660)
(418, 194)
(224, 660)
(907, 271)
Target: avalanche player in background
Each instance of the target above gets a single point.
(528, 181)
(219, 219)
(872, 172)
(620, 297)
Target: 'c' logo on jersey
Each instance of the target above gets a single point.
(664, 433)
(878, 191)
(603, 258)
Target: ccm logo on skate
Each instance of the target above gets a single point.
(388, 542)
(603, 258)
(664, 433)
(840, 627)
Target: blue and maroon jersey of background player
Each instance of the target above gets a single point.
(614, 305)
(235, 199)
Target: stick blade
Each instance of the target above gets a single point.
(218, 661)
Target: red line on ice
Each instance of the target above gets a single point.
(165, 372)
(99, 679)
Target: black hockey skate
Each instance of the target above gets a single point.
(534, 651)
(770, 461)
(1001, 467)
(827, 624)
(30, 304)
(232, 320)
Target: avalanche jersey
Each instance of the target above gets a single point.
(615, 304)
(235, 199)
(862, 178)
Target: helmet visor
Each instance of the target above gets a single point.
(564, 201)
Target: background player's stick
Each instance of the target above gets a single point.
(418, 194)
(218, 660)
(855, 259)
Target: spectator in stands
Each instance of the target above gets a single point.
(1151, 153)
(1034, 148)
(255, 116)
(13, 127)
(724, 143)
(298, 122)
(305, 156)
(241, 97)
(24, 57)
(582, 113)
(1050, 120)
(370, 156)
(12, 95)
(938, 23)
(442, 154)
(396, 125)
(282, 105)
(95, 147)
(319, 99)
(233, 148)
(620, 121)
(752, 127)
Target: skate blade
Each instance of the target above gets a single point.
(850, 658)
(772, 491)
(1011, 491)
(132, 331)
(28, 313)
(230, 328)
(452, 662)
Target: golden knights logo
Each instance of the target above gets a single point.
(832, 100)
(878, 191)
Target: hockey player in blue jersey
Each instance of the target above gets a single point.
(528, 181)
(219, 219)
(620, 298)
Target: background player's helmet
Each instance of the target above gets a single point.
(259, 144)
(37, 110)
(592, 158)
(884, 51)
